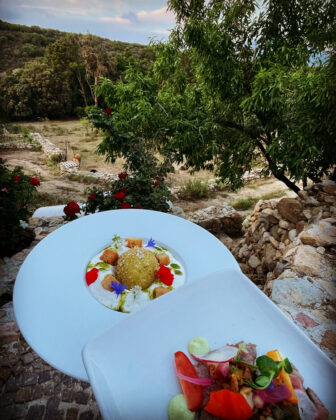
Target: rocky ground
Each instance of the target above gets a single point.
(286, 246)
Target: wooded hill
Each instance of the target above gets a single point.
(49, 73)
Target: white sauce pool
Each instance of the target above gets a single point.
(131, 299)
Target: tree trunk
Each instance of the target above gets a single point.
(279, 175)
(82, 89)
(95, 83)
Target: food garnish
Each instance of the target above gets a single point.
(228, 405)
(192, 392)
(222, 355)
(91, 276)
(165, 275)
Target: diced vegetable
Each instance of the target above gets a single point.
(192, 392)
(198, 346)
(197, 381)
(159, 291)
(228, 405)
(178, 410)
(163, 259)
(221, 355)
(133, 242)
(283, 375)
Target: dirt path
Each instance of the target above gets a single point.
(76, 137)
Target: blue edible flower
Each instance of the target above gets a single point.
(271, 385)
(151, 243)
(118, 287)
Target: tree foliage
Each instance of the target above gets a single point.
(235, 83)
(63, 79)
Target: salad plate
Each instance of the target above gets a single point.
(131, 365)
(54, 308)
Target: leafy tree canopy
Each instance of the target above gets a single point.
(235, 83)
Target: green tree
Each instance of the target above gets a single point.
(35, 91)
(234, 84)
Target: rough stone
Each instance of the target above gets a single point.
(329, 340)
(323, 234)
(253, 261)
(306, 320)
(35, 412)
(9, 332)
(330, 188)
(292, 235)
(296, 291)
(71, 414)
(290, 209)
(307, 261)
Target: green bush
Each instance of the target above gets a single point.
(142, 184)
(244, 203)
(16, 193)
(195, 189)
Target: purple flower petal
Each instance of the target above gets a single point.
(151, 243)
(118, 287)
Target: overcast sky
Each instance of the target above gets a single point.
(124, 20)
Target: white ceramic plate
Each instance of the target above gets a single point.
(54, 309)
(131, 365)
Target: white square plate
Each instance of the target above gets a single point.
(131, 365)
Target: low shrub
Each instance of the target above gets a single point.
(16, 193)
(244, 203)
(195, 189)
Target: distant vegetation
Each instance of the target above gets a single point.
(48, 73)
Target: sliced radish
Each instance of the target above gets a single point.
(221, 355)
(197, 381)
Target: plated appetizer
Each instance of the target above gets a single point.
(232, 383)
(130, 272)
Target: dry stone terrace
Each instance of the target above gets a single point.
(287, 247)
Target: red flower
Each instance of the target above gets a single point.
(108, 111)
(92, 196)
(125, 205)
(165, 275)
(159, 176)
(16, 178)
(122, 175)
(124, 190)
(71, 209)
(119, 195)
(4, 190)
(35, 181)
(156, 183)
(91, 276)
(138, 207)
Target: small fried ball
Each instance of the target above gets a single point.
(137, 267)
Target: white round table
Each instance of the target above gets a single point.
(54, 309)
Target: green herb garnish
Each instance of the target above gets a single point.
(269, 369)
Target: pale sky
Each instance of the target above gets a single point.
(123, 20)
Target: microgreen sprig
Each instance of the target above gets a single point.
(269, 369)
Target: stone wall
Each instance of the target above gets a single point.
(48, 148)
(16, 145)
(289, 250)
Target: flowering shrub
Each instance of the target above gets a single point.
(16, 193)
(140, 186)
(70, 210)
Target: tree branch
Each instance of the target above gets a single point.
(279, 175)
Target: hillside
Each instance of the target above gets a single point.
(20, 44)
